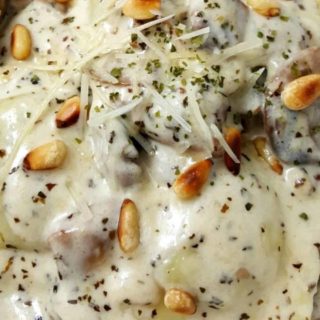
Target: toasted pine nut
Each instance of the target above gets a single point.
(190, 182)
(265, 152)
(180, 301)
(62, 1)
(69, 113)
(128, 226)
(302, 92)
(47, 156)
(267, 8)
(21, 42)
(141, 9)
(233, 139)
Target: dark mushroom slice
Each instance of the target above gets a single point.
(226, 21)
(3, 7)
(115, 154)
(294, 135)
(77, 251)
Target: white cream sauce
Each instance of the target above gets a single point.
(270, 226)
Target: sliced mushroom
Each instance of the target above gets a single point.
(294, 136)
(121, 162)
(190, 182)
(77, 251)
(301, 64)
(47, 156)
(222, 34)
(3, 7)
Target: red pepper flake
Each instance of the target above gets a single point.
(112, 234)
(224, 208)
(50, 186)
(8, 265)
(317, 177)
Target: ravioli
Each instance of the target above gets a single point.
(150, 164)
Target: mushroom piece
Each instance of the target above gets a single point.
(3, 7)
(77, 251)
(226, 22)
(115, 154)
(294, 135)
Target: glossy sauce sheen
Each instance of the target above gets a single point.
(246, 246)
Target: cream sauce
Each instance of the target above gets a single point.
(260, 222)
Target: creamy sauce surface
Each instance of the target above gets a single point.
(156, 98)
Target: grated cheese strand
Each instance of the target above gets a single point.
(153, 23)
(115, 113)
(198, 116)
(171, 109)
(194, 34)
(78, 199)
(153, 47)
(218, 135)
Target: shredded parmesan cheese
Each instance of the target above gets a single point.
(171, 109)
(240, 48)
(114, 113)
(218, 135)
(153, 47)
(154, 22)
(194, 34)
(78, 199)
(195, 109)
